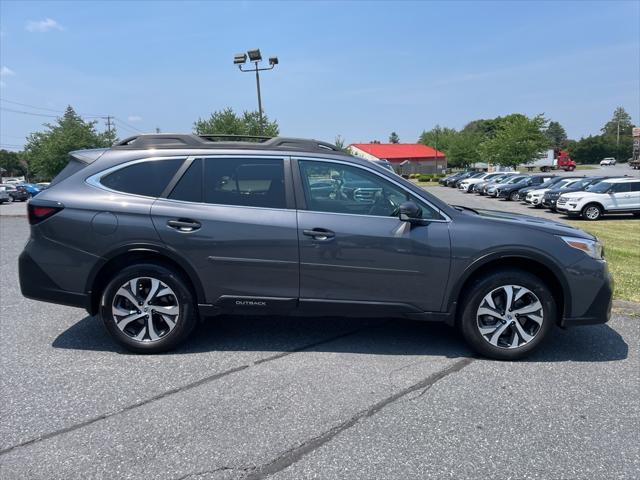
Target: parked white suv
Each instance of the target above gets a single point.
(467, 182)
(607, 161)
(534, 197)
(615, 195)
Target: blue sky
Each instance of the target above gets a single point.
(359, 69)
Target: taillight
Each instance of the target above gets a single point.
(38, 213)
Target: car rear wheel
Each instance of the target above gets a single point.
(507, 314)
(148, 308)
(592, 211)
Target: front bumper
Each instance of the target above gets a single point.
(569, 207)
(591, 288)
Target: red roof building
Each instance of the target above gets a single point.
(405, 157)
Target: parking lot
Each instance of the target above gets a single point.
(292, 398)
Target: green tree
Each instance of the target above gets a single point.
(438, 137)
(227, 122)
(486, 128)
(591, 149)
(556, 135)
(341, 144)
(594, 148)
(621, 118)
(463, 150)
(518, 140)
(47, 152)
(394, 138)
(11, 165)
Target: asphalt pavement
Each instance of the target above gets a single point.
(298, 398)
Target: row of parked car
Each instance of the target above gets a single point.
(20, 192)
(586, 197)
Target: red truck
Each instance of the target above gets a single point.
(553, 160)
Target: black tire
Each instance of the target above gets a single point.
(591, 212)
(514, 196)
(469, 319)
(185, 322)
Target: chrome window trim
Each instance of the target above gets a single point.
(94, 180)
(206, 204)
(446, 219)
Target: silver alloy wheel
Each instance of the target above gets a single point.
(145, 309)
(592, 212)
(509, 316)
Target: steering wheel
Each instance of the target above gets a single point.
(385, 203)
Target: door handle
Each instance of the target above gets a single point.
(184, 225)
(319, 234)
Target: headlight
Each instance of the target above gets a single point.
(592, 248)
(573, 199)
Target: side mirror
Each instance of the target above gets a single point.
(410, 212)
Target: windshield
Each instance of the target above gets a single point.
(600, 187)
(549, 183)
(563, 183)
(579, 184)
(516, 179)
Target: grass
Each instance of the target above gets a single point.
(621, 240)
(424, 184)
(586, 167)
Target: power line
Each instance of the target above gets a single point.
(49, 109)
(130, 126)
(30, 106)
(4, 109)
(126, 126)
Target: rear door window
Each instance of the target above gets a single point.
(189, 187)
(147, 178)
(250, 182)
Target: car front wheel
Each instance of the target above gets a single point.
(592, 211)
(148, 308)
(514, 196)
(507, 314)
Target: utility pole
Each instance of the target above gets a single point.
(618, 134)
(109, 123)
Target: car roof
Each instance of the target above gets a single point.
(621, 180)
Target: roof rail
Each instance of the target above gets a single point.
(220, 141)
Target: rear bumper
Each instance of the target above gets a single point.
(37, 285)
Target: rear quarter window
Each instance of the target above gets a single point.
(147, 178)
(72, 167)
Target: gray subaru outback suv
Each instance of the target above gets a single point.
(160, 231)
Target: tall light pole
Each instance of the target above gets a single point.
(254, 56)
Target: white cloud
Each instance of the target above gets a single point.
(45, 25)
(6, 72)
(134, 118)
